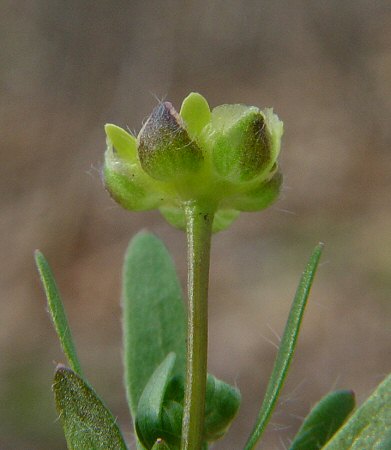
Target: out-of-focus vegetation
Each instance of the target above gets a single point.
(69, 67)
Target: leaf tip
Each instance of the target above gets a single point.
(38, 256)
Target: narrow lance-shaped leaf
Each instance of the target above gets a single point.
(154, 314)
(324, 420)
(86, 421)
(57, 312)
(286, 350)
(370, 426)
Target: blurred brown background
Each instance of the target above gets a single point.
(68, 67)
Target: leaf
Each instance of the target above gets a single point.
(149, 412)
(370, 426)
(154, 314)
(324, 420)
(286, 350)
(160, 409)
(86, 421)
(160, 445)
(57, 312)
(222, 405)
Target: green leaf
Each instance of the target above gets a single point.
(324, 420)
(286, 350)
(57, 312)
(149, 412)
(166, 394)
(160, 445)
(86, 421)
(154, 314)
(370, 426)
(222, 405)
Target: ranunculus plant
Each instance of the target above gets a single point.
(200, 168)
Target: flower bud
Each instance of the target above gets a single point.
(165, 149)
(224, 159)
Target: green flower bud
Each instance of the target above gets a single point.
(224, 159)
(165, 149)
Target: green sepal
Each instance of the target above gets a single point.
(149, 416)
(257, 197)
(221, 221)
(369, 426)
(130, 189)
(276, 130)
(126, 181)
(124, 144)
(86, 421)
(196, 113)
(240, 143)
(165, 149)
(324, 420)
(152, 303)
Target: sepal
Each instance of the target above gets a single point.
(165, 149)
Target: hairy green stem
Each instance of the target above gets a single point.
(199, 221)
